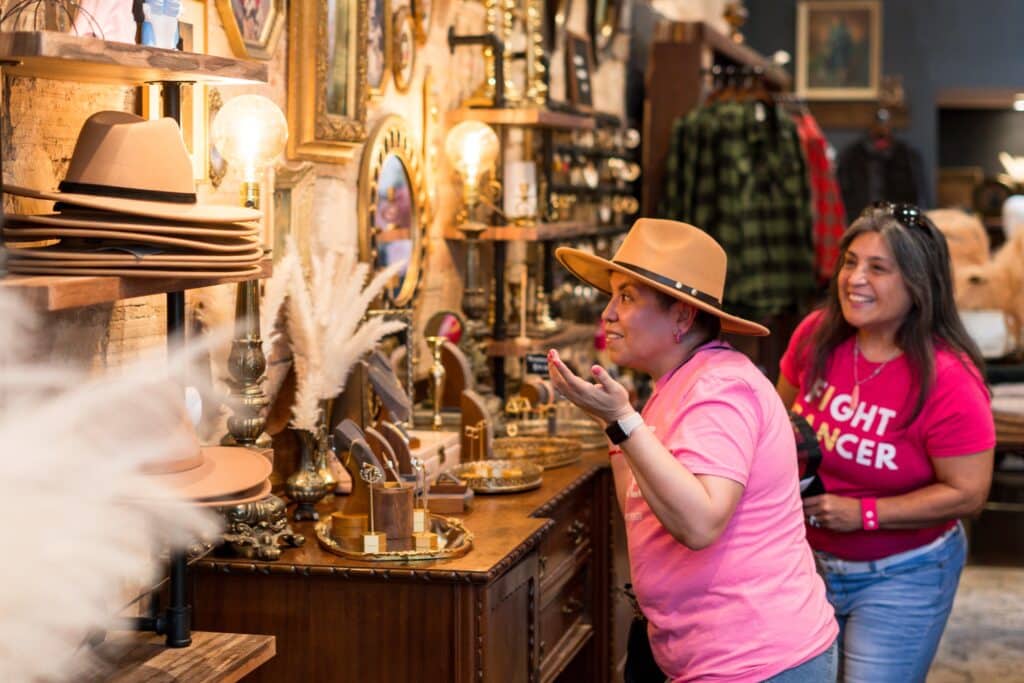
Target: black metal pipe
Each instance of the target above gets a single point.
(497, 46)
(179, 612)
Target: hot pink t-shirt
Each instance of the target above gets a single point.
(750, 605)
(869, 451)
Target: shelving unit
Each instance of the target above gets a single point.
(61, 292)
(62, 56)
(538, 232)
(511, 348)
(539, 118)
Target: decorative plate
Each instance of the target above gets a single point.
(499, 476)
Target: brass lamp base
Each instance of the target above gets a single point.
(257, 530)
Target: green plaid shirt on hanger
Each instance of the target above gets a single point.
(736, 169)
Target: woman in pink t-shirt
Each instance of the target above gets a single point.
(891, 384)
(706, 477)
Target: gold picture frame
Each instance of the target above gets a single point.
(378, 46)
(422, 12)
(253, 27)
(327, 45)
(403, 48)
(838, 49)
(392, 206)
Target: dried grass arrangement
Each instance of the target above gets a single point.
(326, 326)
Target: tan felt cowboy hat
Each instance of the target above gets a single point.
(675, 258)
(27, 268)
(127, 164)
(211, 475)
(113, 256)
(240, 248)
(104, 220)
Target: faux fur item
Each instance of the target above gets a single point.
(71, 449)
(966, 236)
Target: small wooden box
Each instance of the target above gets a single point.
(375, 542)
(426, 540)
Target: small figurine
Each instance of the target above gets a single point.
(160, 23)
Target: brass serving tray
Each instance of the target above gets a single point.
(453, 538)
(586, 432)
(547, 451)
(499, 476)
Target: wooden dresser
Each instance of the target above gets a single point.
(533, 600)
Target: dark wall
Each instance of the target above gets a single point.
(975, 137)
(934, 45)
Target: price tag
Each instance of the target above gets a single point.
(537, 364)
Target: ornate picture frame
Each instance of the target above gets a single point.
(403, 48)
(392, 206)
(253, 27)
(327, 61)
(838, 49)
(378, 46)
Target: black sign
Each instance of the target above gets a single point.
(537, 364)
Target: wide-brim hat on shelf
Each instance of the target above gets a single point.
(211, 475)
(672, 257)
(131, 165)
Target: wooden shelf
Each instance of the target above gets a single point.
(538, 232)
(538, 118)
(855, 114)
(59, 292)
(62, 56)
(725, 48)
(572, 334)
(134, 657)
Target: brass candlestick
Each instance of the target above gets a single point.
(437, 375)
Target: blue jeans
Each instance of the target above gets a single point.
(892, 611)
(820, 669)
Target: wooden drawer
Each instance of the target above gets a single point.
(568, 541)
(566, 623)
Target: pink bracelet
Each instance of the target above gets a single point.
(869, 514)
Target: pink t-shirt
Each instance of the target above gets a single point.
(750, 605)
(869, 451)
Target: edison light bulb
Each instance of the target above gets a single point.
(250, 131)
(471, 148)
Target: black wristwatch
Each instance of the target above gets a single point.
(619, 430)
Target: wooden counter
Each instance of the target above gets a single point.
(530, 602)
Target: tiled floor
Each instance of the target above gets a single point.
(984, 639)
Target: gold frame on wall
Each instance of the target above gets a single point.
(385, 56)
(502, 18)
(391, 137)
(253, 48)
(402, 21)
(871, 51)
(315, 133)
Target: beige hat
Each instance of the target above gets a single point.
(115, 256)
(127, 164)
(30, 268)
(211, 475)
(105, 220)
(675, 258)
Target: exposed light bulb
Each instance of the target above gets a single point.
(250, 132)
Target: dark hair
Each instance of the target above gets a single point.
(708, 323)
(922, 257)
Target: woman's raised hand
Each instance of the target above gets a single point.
(607, 400)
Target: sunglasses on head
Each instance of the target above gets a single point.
(908, 215)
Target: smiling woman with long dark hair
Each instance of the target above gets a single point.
(892, 385)
(706, 475)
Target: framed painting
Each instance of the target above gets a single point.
(378, 46)
(838, 49)
(327, 78)
(253, 27)
(578, 68)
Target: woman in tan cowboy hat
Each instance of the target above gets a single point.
(706, 475)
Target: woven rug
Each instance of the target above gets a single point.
(984, 639)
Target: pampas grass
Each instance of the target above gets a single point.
(82, 519)
(326, 327)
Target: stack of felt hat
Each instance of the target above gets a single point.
(1008, 412)
(128, 207)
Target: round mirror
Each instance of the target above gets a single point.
(447, 324)
(605, 16)
(392, 226)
